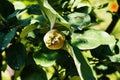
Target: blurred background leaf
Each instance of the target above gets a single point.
(6, 38)
(16, 55)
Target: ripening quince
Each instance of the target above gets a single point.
(113, 6)
(54, 39)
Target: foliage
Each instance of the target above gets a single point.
(91, 42)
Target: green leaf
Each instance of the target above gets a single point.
(52, 15)
(79, 20)
(25, 22)
(115, 58)
(102, 5)
(45, 58)
(49, 12)
(6, 38)
(4, 66)
(74, 4)
(118, 43)
(91, 39)
(84, 9)
(41, 19)
(6, 8)
(118, 1)
(15, 56)
(33, 72)
(84, 70)
(102, 52)
(66, 61)
(16, 12)
(117, 47)
(2, 35)
(27, 29)
(34, 9)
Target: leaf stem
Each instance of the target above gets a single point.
(115, 18)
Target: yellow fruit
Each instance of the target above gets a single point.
(113, 6)
(54, 40)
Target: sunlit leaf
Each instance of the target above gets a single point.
(74, 3)
(91, 39)
(115, 58)
(52, 15)
(75, 78)
(5, 75)
(79, 20)
(15, 56)
(118, 43)
(84, 70)
(49, 12)
(84, 7)
(27, 29)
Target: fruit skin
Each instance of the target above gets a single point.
(54, 40)
(113, 6)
